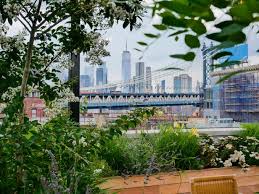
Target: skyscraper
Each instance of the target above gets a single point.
(101, 75)
(163, 86)
(148, 80)
(85, 81)
(126, 68)
(140, 73)
(182, 84)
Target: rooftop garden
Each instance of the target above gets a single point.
(59, 156)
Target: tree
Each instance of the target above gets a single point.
(27, 58)
(188, 18)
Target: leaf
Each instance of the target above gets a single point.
(137, 49)
(170, 68)
(142, 43)
(241, 13)
(125, 23)
(160, 26)
(177, 6)
(176, 38)
(197, 26)
(192, 41)
(170, 20)
(221, 54)
(226, 64)
(187, 57)
(178, 32)
(229, 75)
(149, 35)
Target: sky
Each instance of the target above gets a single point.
(157, 56)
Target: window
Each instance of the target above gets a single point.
(33, 113)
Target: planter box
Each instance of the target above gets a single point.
(172, 183)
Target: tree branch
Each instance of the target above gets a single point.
(51, 26)
(47, 17)
(24, 18)
(24, 25)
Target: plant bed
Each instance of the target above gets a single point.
(170, 183)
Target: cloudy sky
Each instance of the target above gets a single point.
(157, 56)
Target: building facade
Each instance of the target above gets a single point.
(101, 75)
(126, 69)
(163, 86)
(149, 88)
(183, 84)
(140, 77)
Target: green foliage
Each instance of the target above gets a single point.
(27, 147)
(127, 155)
(191, 16)
(175, 148)
(250, 130)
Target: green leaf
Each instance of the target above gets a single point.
(231, 29)
(192, 41)
(229, 75)
(226, 64)
(142, 43)
(221, 54)
(178, 32)
(187, 57)
(178, 6)
(137, 49)
(149, 35)
(160, 26)
(241, 13)
(197, 26)
(176, 38)
(170, 20)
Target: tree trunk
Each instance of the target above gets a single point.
(74, 74)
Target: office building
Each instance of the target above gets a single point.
(163, 86)
(101, 75)
(148, 80)
(85, 81)
(182, 84)
(140, 81)
(126, 69)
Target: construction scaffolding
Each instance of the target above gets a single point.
(239, 97)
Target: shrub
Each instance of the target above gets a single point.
(127, 155)
(250, 130)
(175, 148)
(230, 151)
(56, 157)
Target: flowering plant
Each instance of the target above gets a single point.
(230, 151)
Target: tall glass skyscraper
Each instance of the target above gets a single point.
(182, 84)
(140, 73)
(126, 69)
(101, 75)
(148, 80)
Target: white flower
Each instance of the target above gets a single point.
(228, 163)
(82, 142)
(97, 171)
(229, 146)
(74, 143)
(254, 155)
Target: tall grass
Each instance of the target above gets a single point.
(178, 149)
(169, 150)
(250, 130)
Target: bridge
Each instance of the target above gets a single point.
(126, 100)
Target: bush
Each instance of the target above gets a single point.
(250, 130)
(127, 155)
(175, 148)
(56, 157)
(230, 151)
